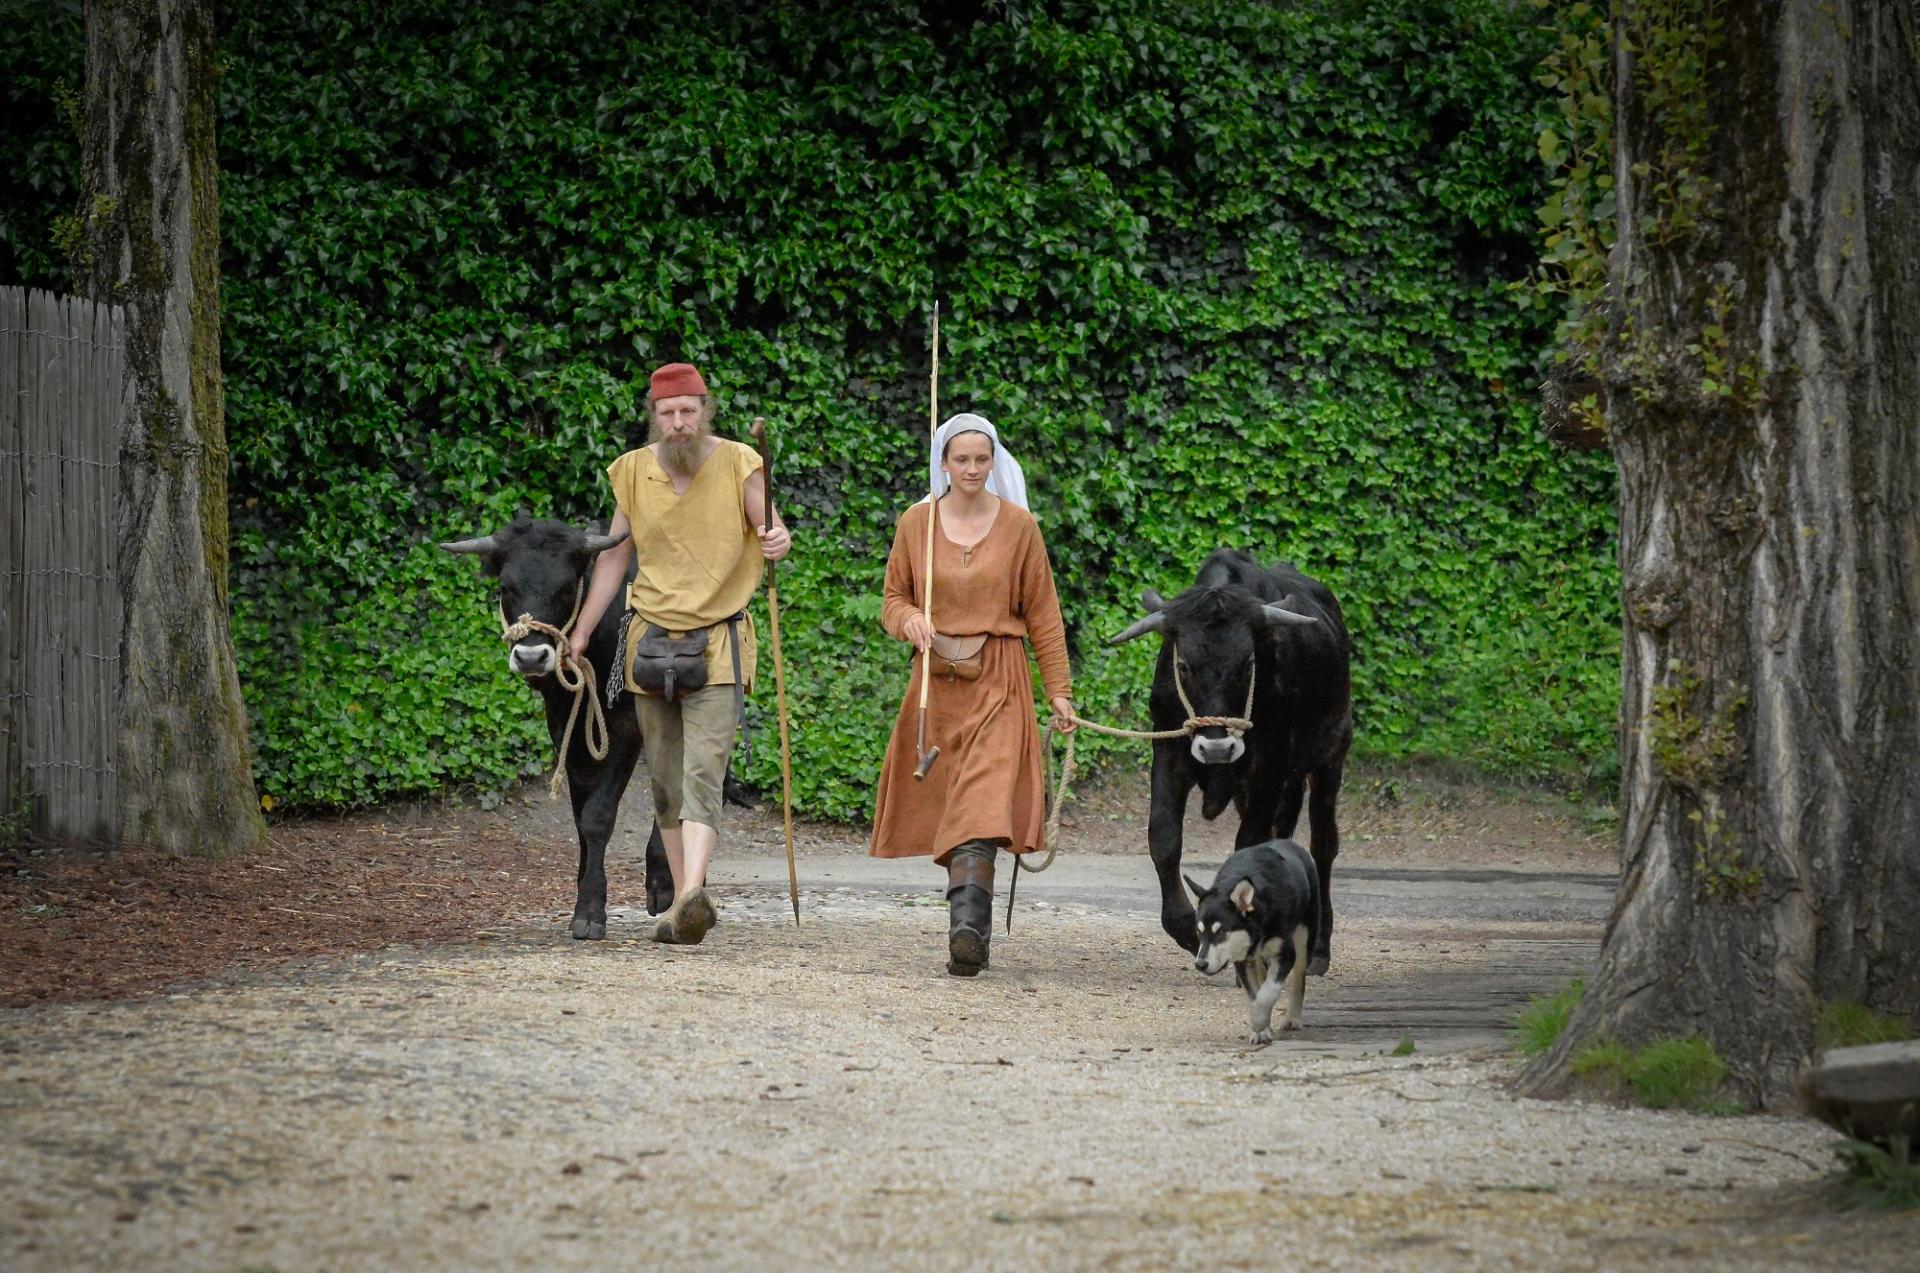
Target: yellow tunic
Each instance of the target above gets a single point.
(699, 557)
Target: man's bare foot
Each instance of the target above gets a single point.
(688, 923)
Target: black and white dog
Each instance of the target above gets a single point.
(1261, 915)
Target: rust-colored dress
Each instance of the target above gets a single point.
(988, 783)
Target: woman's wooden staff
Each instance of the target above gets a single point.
(759, 432)
(925, 765)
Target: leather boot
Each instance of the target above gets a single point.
(969, 907)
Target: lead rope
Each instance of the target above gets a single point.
(575, 677)
(1234, 725)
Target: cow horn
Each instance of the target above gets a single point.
(1152, 623)
(1150, 601)
(484, 544)
(600, 543)
(1278, 613)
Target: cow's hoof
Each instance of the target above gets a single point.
(580, 927)
(1260, 1036)
(1317, 966)
(596, 931)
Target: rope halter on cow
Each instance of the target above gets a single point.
(575, 676)
(1234, 725)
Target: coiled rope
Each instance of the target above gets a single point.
(575, 676)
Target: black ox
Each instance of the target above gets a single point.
(1286, 631)
(541, 566)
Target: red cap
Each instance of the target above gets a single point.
(676, 380)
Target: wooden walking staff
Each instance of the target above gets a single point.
(759, 432)
(925, 765)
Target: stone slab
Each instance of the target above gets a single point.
(1871, 1092)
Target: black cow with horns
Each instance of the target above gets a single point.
(543, 568)
(1285, 632)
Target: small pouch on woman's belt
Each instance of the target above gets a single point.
(959, 657)
(673, 666)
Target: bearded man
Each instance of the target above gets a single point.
(696, 507)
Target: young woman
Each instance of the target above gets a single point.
(992, 586)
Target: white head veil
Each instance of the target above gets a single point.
(1006, 480)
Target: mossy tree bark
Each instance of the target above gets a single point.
(150, 205)
(1761, 372)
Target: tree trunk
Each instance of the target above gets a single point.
(151, 208)
(1762, 373)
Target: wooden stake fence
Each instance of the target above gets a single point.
(62, 399)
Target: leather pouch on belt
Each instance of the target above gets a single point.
(673, 666)
(959, 658)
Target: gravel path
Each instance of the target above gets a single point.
(825, 1097)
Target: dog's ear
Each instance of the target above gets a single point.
(1242, 896)
(1197, 891)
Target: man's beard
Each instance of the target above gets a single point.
(679, 456)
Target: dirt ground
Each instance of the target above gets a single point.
(83, 926)
(256, 1077)
(76, 926)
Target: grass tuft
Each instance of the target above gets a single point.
(1602, 1061)
(1405, 1046)
(1671, 1072)
(1540, 1023)
(1676, 1072)
(1846, 1024)
(1878, 1178)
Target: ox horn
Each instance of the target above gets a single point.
(597, 544)
(1150, 601)
(1152, 623)
(1279, 613)
(484, 544)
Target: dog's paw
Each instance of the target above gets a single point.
(1260, 1036)
(1285, 1024)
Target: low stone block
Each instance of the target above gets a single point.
(1870, 1092)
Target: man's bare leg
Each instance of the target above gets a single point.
(689, 849)
(697, 841)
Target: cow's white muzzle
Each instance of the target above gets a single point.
(1217, 751)
(532, 659)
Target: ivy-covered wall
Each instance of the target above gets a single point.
(1223, 271)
